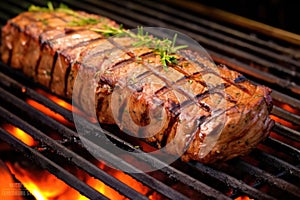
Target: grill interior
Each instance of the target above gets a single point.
(271, 171)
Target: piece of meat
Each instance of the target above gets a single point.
(195, 109)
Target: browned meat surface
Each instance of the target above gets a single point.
(208, 122)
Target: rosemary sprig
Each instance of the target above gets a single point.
(164, 47)
(82, 20)
(49, 8)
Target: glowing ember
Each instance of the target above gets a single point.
(42, 184)
(48, 112)
(57, 100)
(21, 135)
(9, 190)
(290, 109)
(128, 180)
(243, 198)
(284, 122)
(63, 104)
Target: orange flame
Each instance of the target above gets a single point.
(284, 122)
(63, 104)
(290, 108)
(20, 134)
(57, 100)
(42, 184)
(128, 180)
(48, 112)
(243, 198)
(9, 190)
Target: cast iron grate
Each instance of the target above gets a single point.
(275, 164)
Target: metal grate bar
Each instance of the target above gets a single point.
(287, 132)
(283, 98)
(290, 190)
(47, 121)
(8, 8)
(230, 181)
(244, 48)
(142, 17)
(41, 116)
(66, 153)
(177, 175)
(175, 12)
(194, 24)
(285, 148)
(275, 162)
(191, 30)
(4, 80)
(293, 118)
(144, 178)
(45, 163)
(260, 75)
(271, 79)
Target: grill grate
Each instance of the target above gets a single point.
(274, 164)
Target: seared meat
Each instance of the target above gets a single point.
(207, 120)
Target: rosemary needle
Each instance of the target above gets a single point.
(165, 48)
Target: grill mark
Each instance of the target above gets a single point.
(52, 68)
(221, 112)
(15, 25)
(39, 60)
(185, 77)
(68, 70)
(18, 28)
(64, 33)
(9, 56)
(122, 110)
(83, 43)
(166, 134)
(169, 84)
(161, 90)
(100, 52)
(128, 61)
(155, 72)
(224, 78)
(199, 97)
(57, 52)
(35, 19)
(97, 53)
(123, 48)
(167, 88)
(104, 51)
(59, 17)
(49, 28)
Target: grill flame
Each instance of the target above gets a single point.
(20, 134)
(44, 185)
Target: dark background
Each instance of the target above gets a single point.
(284, 14)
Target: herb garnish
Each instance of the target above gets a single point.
(164, 47)
(82, 20)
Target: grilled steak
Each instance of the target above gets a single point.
(134, 91)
